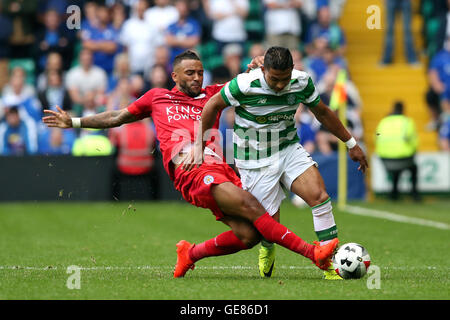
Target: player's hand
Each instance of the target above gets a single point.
(256, 63)
(59, 119)
(357, 155)
(194, 159)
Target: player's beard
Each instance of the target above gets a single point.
(187, 89)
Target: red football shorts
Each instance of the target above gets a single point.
(195, 185)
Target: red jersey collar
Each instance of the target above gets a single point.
(175, 90)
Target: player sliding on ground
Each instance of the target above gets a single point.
(214, 185)
(266, 145)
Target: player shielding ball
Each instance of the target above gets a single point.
(267, 151)
(214, 185)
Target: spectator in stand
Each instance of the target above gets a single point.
(283, 24)
(327, 29)
(59, 6)
(17, 137)
(256, 49)
(121, 96)
(90, 15)
(5, 32)
(228, 18)
(140, 39)
(137, 84)
(55, 94)
(102, 40)
(438, 97)
(232, 56)
(54, 37)
(158, 78)
(56, 141)
(17, 90)
(54, 63)
(323, 58)
(91, 105)
(135, 178)
(121, 71)
(305, 129)
(118, 16)
(311, 7)
(23, 16)
(185, 33)
(18, 93)
(392, 6)
(444, 135)
(85, 78)
(161, 15)
(162, 58)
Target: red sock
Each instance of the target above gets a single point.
(224, 243)
(276, 232)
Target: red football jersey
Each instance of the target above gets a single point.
(175, 116)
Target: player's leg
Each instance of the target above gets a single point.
(302, 177)
(266, 257)
(264, 185)
(242, 235)
(237, 202)
(311, 188)
(196, 189)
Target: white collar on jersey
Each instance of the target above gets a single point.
(200, 96)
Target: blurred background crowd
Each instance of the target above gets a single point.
(122, 48)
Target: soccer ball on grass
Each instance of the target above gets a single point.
(351, 261)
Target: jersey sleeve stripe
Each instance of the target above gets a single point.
(235, 90)
(226, 93)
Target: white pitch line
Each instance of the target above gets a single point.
(395, 217)
(116, 268)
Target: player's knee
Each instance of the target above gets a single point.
(319, 197)
(250, 207)
(251, 239)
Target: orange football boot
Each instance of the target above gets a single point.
(184, 262)
(323, 254)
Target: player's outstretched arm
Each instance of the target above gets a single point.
(107, 119)
(209, 116)
(329, 119)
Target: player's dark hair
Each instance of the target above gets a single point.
(186, 55)
(278, 58)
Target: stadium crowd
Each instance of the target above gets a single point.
(122, 48)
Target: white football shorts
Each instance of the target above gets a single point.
(267, 183)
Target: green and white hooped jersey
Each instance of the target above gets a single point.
(264, 119)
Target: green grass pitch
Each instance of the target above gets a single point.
(127, 251)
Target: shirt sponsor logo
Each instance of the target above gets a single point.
(183, 112)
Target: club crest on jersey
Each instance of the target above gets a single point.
(291, 99)
(208, 179)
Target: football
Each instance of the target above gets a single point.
(351, 261)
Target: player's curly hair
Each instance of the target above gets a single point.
(278, 58)
(186, 55)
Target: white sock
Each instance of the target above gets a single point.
(324, 224)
